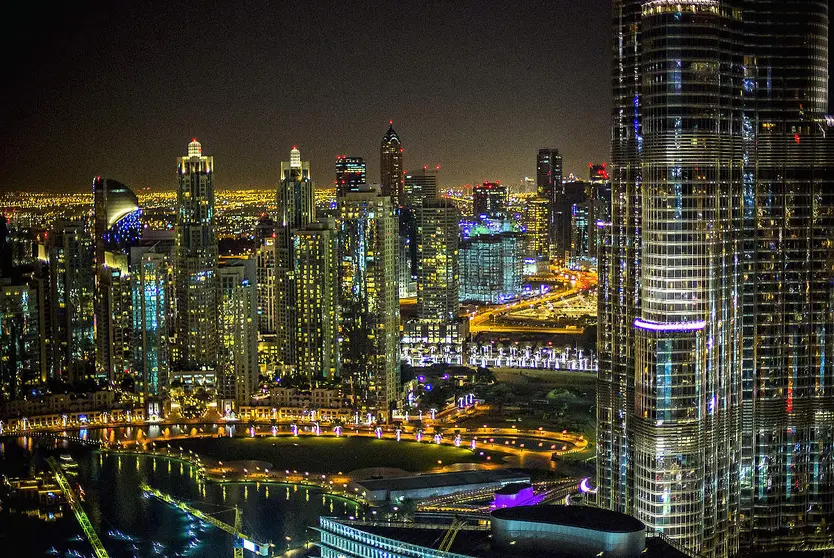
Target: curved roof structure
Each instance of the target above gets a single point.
(120, 200)
(582, 517)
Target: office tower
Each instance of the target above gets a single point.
(549, 184)
(489, 200)
(568, 195)
(64, 271)
(580, 232)
(265, 237)
(438, 275)
(598, 195)
(237, 301)
(116, 227)
(195, 262)
(350, 174)
(490, 262)
(317, 317)
(421, 185)
(536, 222)
(296, 210)
(20, 366)
(670, 376)
(787, 463)
(370, 321)
(391, 166)
(151, 277)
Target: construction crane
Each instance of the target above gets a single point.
(449, 537)
(241, 541)
(75, 505)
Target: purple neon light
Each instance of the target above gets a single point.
(680, 326)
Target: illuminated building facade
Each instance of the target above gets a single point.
(20, 366)
(788, 387)
(238, 330)
(438, 276)
(315, 250)
(296, 209)
(421, 185)
(195, 264)
(490, 262)
(489, 200)
(549, 183)
(65, 273)
(370, 320)
(351, 174)
(391, 166)
(714, 393)
(151, 277)
(116, 227)
(266, 260)
(580, 232)
(537, 230)
(598, 194)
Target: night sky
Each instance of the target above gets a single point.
(118, 89)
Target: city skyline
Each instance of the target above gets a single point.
(469, 96)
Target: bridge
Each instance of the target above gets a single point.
(79, 512)
(241, 541)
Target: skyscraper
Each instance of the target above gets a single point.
(714, 397)
(421, 185)
(317, 316)
(151, 276)
(391, 166)
(195, 263)
(266, 259)
(490, 200)
(438, 275)
(19, 351)
(237, 329)
(370, 322)
(296, 210)
(65, 271)
(788, 390)
(116, 227)
(438, 272)
(351, 174)
(549, 184)
(538, 232)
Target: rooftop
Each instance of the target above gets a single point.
(582, 517)
(447, 479)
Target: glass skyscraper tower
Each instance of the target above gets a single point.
(195, 262)
(714, 391)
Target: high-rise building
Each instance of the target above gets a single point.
(265, 237)
(19, 348)
(421, 185)
(569, 195)
(438, 272)
(714, 393)
(491, 261)
(438, 275)
(296, 210)
(116, 227)
(238, 330)
(151, 276)
(787, 473)
(65, 273)
(195, 264)
(490, 200)
(598, 194)
(370, 321)
(351, 174)
(317, 316)
(549, 184)
(538, 233)
(391, 166)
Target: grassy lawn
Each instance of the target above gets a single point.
(332, 455)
